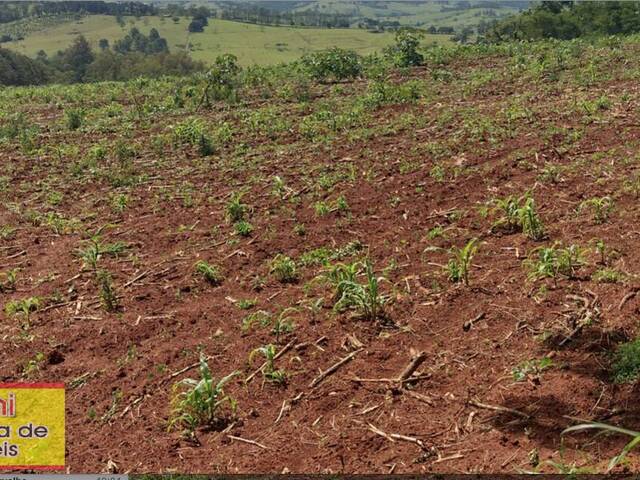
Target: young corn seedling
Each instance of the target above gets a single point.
(25, 306)
(604, 427)
(211, 273)
(108, 294)
(509, 209)
(10, 280)
(261, 317)
(338, 276)
(95, 250)
(284, 269)
(459, 265)
(601, 207)
(199, 402)
(549, 262)
(530, 221)
(280, 189)
(518, 215)
(236, 210)
(366, 299)
(269, 371)
(284, 323)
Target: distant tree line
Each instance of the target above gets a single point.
(16, 10)
(254, 13)
(567, 20)
(133, 56)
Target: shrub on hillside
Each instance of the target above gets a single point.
(333, 64)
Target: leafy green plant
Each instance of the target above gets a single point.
(247, 303)
(626, 362)
(531, 367)
(332, 64)
(284, 269)
(198, 402)
(549, 262)
(601, 208)
(604, 427)
(321, 208)
(236, 210)
(243, 228)
(8, 280)
(404, 53)
(7, 232)
(365, 298)
(459, 265)
(24, 306)
(211, 273)
(206, 146)
(108, 294)
(119, 203)
(518, 214)
(269, 371)
(74, 118)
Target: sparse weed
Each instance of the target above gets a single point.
(243, 228)
(211, 273)
(531, 367)
(608, 275)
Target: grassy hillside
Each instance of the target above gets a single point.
(418, 13)
(252, 44)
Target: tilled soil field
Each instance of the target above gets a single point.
(401, 171)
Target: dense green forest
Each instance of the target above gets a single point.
(17, 69)
(133, 56)
(569, 19)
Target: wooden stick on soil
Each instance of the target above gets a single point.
(184, 370)
(333, 368)
(246, 440)
(392, 437)
(498, 408)
(135, 279)
(627, 297)
(415, 363)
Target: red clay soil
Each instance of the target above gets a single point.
(464, 412)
